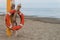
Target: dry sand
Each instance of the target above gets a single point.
(33, 30)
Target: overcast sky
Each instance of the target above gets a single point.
(35, 3)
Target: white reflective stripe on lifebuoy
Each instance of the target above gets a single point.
(20, 13)
(9, 13)
(10, 26)
(21, 24)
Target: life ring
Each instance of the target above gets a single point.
(8, 21)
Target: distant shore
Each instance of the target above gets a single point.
(41, 19)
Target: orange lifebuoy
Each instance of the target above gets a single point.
(8, 22)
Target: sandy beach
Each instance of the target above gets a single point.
(35, 28)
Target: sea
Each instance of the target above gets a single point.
(39, 12)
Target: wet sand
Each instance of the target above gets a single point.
(34, 29)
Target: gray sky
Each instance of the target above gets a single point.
(2, 3)
(35, 3)
(40, 3)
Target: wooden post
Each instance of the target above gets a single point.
(8, 5)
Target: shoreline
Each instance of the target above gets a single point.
(44, 19)
(41, 19)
